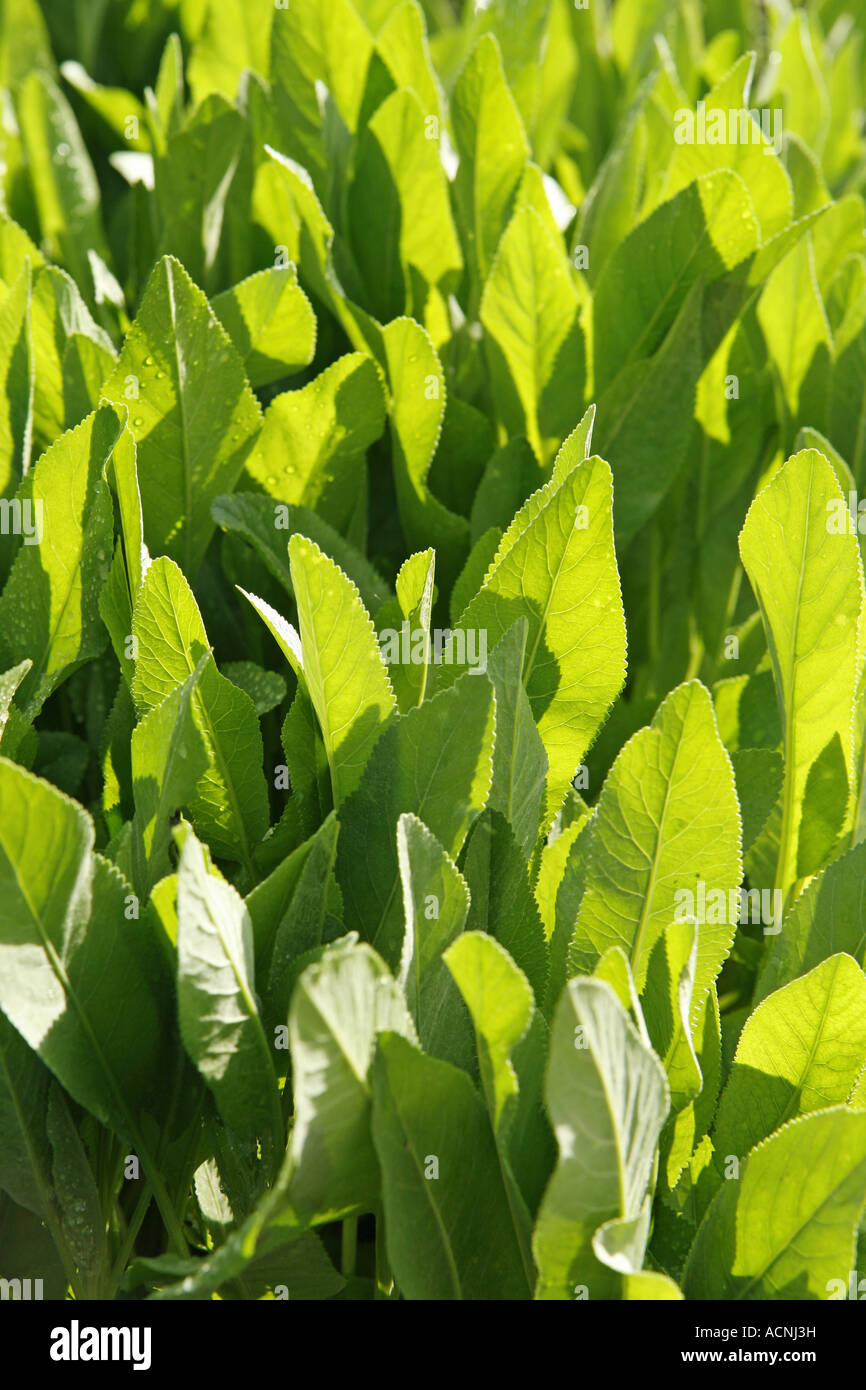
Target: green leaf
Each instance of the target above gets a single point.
(279, 907)
(556, 567)
(807, 100)
(268, 524)
(219, 1015)
(24, 42)
(193, 180)
(493, 151)
(402, 45)
(285, 204)
(346, 677)
(519, 759)
(667, 819)
(115, 610)
(533, 338)
(413, 609)
(168, 759)
(43, 1165)
(29, 1252)
(757, 165)
(17, 374)
(615, 969)
(501, 897)
(559, 887)
(466, 444)
(417, 408)
(266, 689)
(802, 1049)
(340, 1005)
(194, 417)
(9, 683)
(313, 443)
(789, 1225)
(645, 419)
(400, 223)
(649, 1285)
(501, 1005)
(523, 34)
(434, 761)
(809, 585)
(667, 1008)
(304, 920)
(435, 903)
(268, 1250)
(825, 806)
(271, 323)
(48, 609)
(509, 478)
(793, 319)
(331, 46)
(685, 1150)
(579, 444)
(123, 474)
(84, 982)
(499, 998)
(230, 804)
(286, 637)
(169, 95)
(701, 234)
(25, 1153)
(845, 406)
(449, 1230)
(232, 38)
(280, 1260)
(608, 212)
(759, 773)
(827, 918)
(82, 1221)
(607, 1098)
(16, 248)
(72, 356)
(113, 106)
(65, 186)
(471, 577)
(307, 763)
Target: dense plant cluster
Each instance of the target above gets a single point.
(432, 617)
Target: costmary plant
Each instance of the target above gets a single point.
(432, 725)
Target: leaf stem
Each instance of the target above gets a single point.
(132, 1231)
(349, 1250)
(384, 1277)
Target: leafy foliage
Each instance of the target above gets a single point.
(432, 642)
